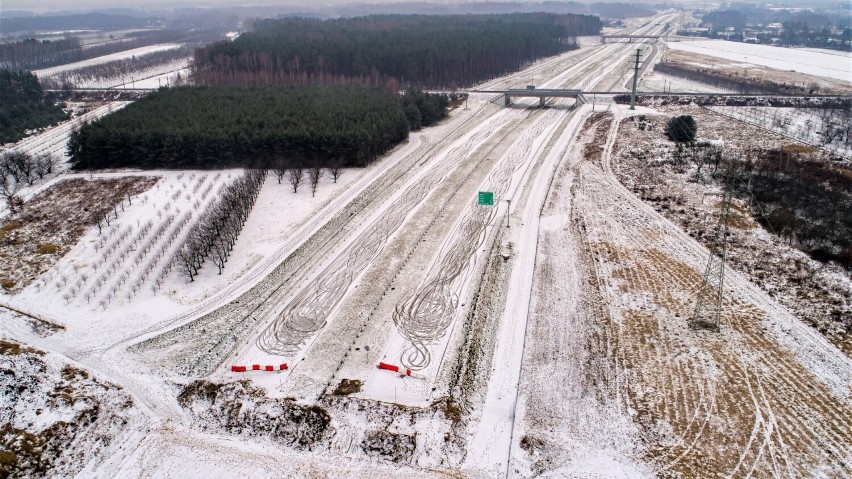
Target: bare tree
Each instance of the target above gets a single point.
(336, 169)
(314, 175)
(279, 169)
(295, 177)
(221, 251)
(9, 187)
(18, 165)
(187, 259)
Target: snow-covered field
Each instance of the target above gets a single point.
(819, 63)
(166, 74)
(545, 336)
(48, 72)
(826, 129)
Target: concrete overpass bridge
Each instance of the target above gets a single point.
(542, 95)
(622, 36)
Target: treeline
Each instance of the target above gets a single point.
(427, 51)
(730, 82)
(24, 105)
(217, 231)
(99, 21)
(216, 127)
(32, 54)
(798, 33)
(604, 10)
(804, 200)
(823, 28)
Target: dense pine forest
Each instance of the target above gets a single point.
(24, 105)
(215, 127)
(387, 50)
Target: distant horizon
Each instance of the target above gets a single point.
(83, 6)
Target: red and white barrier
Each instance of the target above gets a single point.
(257, 367)
(397, 369)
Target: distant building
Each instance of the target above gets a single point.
(775, 27)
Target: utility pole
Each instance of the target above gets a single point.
(508, 205)
(635, 79)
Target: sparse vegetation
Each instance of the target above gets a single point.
(40, 233)
(347, 387)
(78, 416)
(796, 192)
(283, 420)
(11, 348)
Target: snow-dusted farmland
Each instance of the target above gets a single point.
(545, 336)
(836, 65)
(48, 72)
(823, 128)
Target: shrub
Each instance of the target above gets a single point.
(682, 129)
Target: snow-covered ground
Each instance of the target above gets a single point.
(165, 74)
(47, 72)
(556, 346)
(127, 270)
(810, 62)
(825, 129)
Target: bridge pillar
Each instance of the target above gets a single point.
(541, 102)
(506, 100)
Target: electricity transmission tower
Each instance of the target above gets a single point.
(709, 306)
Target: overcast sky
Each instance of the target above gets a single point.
(66, 5)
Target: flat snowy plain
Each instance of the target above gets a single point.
(822, 63)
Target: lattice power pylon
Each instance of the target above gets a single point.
(708, 310)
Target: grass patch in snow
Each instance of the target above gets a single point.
(347, 387)
(9, 348)
(50, 224)
(47, 248)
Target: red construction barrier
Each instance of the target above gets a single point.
(389, 367)
(408, 372)
(257, 367)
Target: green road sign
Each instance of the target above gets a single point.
(486, 198)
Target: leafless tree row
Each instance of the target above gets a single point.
(296, 176)
(116, 69)
(215, 234)
(18, 168)
(720, 79)
(33, 55)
